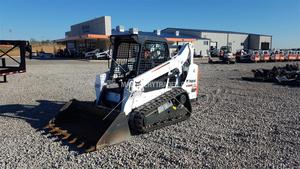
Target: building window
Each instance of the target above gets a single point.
(242, 44)
(205, 42)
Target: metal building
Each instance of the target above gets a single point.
(88, 35)
(94, 34)
(217, 39)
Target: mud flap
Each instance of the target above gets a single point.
(88, 126)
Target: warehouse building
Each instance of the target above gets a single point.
(88, 35)
(95, 33)
(217, 39)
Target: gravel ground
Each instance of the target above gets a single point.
(236, 124)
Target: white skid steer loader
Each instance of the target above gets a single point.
(145, 89)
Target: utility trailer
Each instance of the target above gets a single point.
(9, 63)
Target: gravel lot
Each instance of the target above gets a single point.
(236, 124)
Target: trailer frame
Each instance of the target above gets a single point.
(24, 47)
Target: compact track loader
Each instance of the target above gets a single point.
(145, 89)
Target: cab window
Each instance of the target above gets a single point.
(153, 54)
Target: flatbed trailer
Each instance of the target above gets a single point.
(19, 62)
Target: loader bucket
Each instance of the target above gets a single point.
(89, 126)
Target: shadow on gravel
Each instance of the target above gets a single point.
(62, 58)
(36, 115)
(58, 58)
(255, 80)
(219, 62)
(249, 79)
(53, 58)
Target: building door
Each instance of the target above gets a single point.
(265, 46)
(213, 49)
(213, 45)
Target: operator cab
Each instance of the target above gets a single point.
(132, 55)
(136, 54)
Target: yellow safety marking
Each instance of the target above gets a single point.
(174, 107)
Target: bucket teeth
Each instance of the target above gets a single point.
(61, 132)
(66, 136)
(92, 148)
(48, 126)
(80, 145)
(73, 141)
(55, 129)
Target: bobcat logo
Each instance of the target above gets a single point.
(137, 84)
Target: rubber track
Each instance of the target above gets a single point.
(136, 119)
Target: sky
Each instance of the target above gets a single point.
(50, 19)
